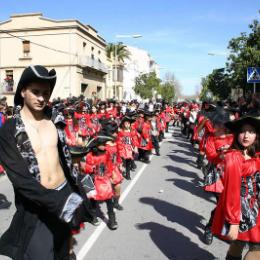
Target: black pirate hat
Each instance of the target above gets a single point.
(34, 73)
(126, 119)
(100, 139)
(148, 113)
(236, 125)
(131, 114)
(78, 151)
(220, 116)
(109, 127)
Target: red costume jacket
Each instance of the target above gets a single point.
(241, 178)
(94, 124)
(114, 161)
(208, 129)
(126, 141)
(99, 166)
(215, 147)
(145, 141)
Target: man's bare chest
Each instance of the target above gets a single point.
(43, 138)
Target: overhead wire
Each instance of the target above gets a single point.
(38, 44)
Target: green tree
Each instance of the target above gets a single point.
(145, 84)
(167, 91)
(204, 94)
(244, 53)
(117, 51)
(216, 85)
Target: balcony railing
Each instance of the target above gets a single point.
(86, 61)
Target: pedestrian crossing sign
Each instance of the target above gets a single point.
(253, 75)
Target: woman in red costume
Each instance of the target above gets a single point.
(93, 122)
(207, 128)
(237, 214)
(216, 146)
(145, 142)
(127, 145)
(96, 163)
(203, 129)
(110, 129)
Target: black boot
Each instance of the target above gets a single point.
(112, 224)
(200, 161)
(127, 175)
(207, 236)
(117, 205)
(230, 257)
(133, 165)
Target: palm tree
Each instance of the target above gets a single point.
(117, 52)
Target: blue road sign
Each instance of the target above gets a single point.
(253, 75)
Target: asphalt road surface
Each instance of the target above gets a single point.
(164, 212)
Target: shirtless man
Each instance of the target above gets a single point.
(42, 134)
(37, 162)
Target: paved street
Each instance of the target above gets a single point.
(163, 217)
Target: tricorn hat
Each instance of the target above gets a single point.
(100, 139)
(109, 127)
(126, 119)
(236, 125)
(34, 73)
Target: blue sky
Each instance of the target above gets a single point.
(178, 34)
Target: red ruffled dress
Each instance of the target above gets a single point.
(238, 203)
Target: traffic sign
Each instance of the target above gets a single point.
(253, 75)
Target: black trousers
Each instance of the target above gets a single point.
(144, 154)
(110, 206)
(155, 142)
(50, 239)
(127, 164)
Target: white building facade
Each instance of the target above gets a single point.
(75, 50)
(139, 62)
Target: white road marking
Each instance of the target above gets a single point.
(4, 178)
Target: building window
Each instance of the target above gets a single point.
(92, 56)
(83, 88)
(8, 84)
(84, 44)
(99, 92)
(99, 52)
(92, 48)
(26, 48)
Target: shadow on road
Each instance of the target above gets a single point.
(180, 171)
(193, 189)
(174, 213)
(172, 244)
(187, 153)
(180, 159)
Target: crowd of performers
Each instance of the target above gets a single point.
(106, 138)
(228, 155)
